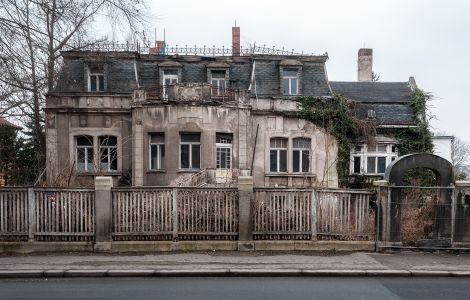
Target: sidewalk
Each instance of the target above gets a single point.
(227, 263)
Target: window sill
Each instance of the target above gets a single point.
(100, 173)
(290, 175)
(189, 171)
(156, 171)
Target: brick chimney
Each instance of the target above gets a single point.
(364, 64)
(235, 41)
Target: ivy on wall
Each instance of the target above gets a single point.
(335, 115)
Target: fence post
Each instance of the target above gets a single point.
(314, 218)
(31, 214)
(245, 213)
(103, 213)
(174, 213)
(383, 211)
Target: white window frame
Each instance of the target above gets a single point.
(369, 151)
(190, 153)
(223, 146)
(160, 146)
(109, 149)
(220, 86)
(173, 78)
(278, 155)
(86, 151)
(97, 74)
(289, 78)
(301, 152)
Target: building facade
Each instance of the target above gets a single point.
(167, 119)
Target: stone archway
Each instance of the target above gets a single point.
(394, 173)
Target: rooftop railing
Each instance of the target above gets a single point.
(186, 49)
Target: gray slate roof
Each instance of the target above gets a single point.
(373, 91)
(391, 101)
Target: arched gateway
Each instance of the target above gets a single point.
(392, 209)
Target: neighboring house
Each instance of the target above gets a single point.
(388, 104)
(167, 118)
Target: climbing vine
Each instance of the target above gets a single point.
(334, 114)
(418, 138)
(337, 116)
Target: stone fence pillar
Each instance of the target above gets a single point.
(383, 211)
(245, 213)
(103, 213)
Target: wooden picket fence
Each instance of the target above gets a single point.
(14, 217)
(64, 214)
(186, 213)
(175, 213)
(47, 214)
(305, 214)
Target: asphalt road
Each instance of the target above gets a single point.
(227, 288)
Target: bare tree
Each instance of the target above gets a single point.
(461, 158)
(32, 35)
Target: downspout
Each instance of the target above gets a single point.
(254, 151)
(136, 74)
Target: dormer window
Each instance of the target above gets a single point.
(95, 79)
(170, 77)
(218, 82)
(290, 81)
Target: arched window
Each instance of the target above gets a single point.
(108, 153)
(301, 155)
(278, 155)
(84, 153)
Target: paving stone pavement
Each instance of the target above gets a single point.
(222, 260)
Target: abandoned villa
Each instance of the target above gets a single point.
(169, 118)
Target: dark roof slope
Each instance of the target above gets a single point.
(367, 91)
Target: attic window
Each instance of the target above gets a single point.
(218, 82)
(371, 114)
(95, 79)
(290, 81)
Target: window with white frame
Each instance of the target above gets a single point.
(301, 155)
(190, 151)
(218, 82)
(84, 153)
(223, 145)
(157, 151)
(372, 159)
(170, 77)
(108, 153)
(290, 81)
(95, 79)
(278, 155)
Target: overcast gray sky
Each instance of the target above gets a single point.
(427, 39)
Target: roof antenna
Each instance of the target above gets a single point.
(155, 37)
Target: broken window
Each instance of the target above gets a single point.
(278, 155)
(301, 155)
(190, 151)
(218, 82)
(170, 77)
(157, 151)
(223, 144)
(84, 153)
(108, 153)
(290, 81)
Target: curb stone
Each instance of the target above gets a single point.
(229, 272)
(388, 273)
(425, 273)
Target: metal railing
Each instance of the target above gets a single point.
(185, 50)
